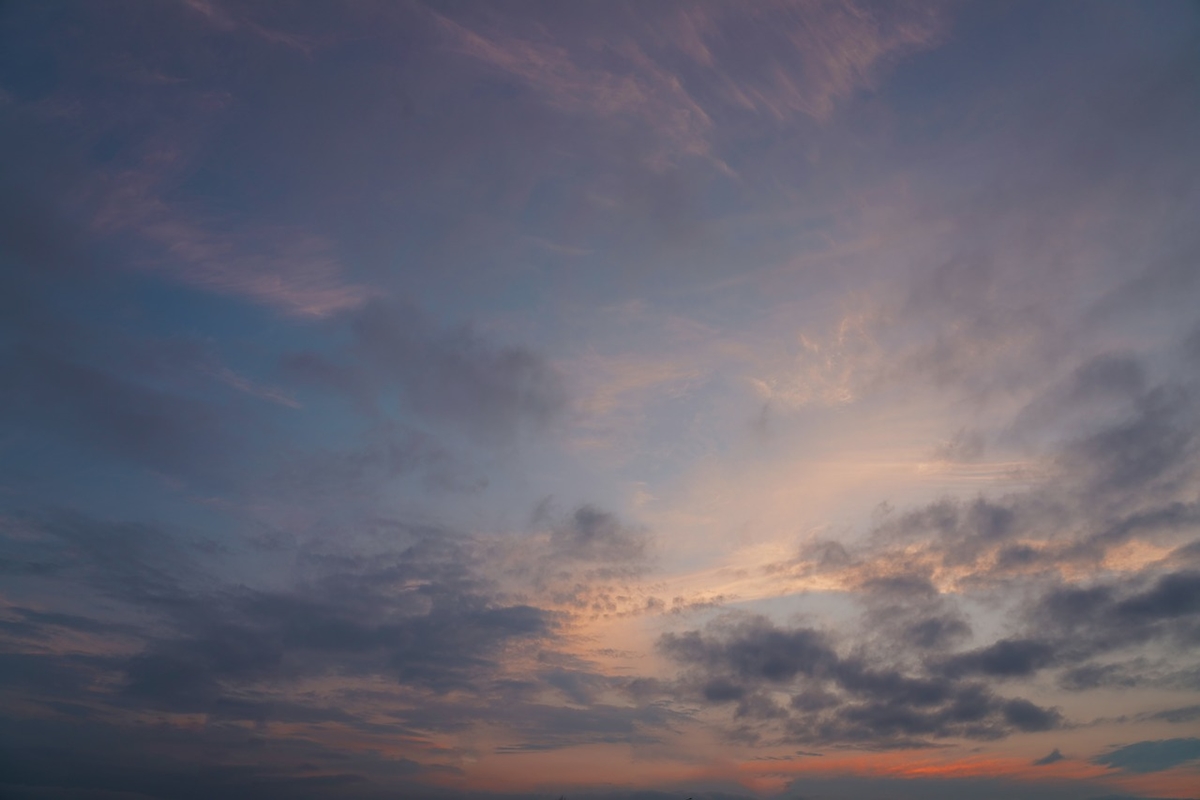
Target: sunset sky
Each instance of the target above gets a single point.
(642, 400)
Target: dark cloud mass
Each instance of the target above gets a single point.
(1126, 482)
(839, 699)
(422, 618)
(1151, 756)
(1186, 714)
(453, 376)
(594, 535)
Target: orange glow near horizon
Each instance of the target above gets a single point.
(613, 765)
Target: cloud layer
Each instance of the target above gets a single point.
(612, 400)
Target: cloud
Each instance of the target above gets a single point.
(1142, 449)
(454, 376)
(221, 19)
(1082, 571)
(171, 406)
(1103, 618)
(936, 632)
(594, 535)
(1185, 714)
(61, 769)
(385, 455)
(908, 611)
(858, 699)
(678, 68)
(548, 727)
(419, 637)
(639, 89)
(1115, 495)
(587, 564)
(162, 430)
(1053, 757)
(1004, 659)
(1153, 756)
(292, 270)
(419, 615)
(111, 170)
(783, 59)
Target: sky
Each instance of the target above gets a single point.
(599, 399)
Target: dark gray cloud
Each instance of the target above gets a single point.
(1007, 658)
(859, 698)
(1053, 757)
(964, 530)
(104, 388)
(419, 615)
(907, 611)
(423, 616)
(936, 632)
(1079, 623)
(755, 650)
(1119, 478)
(1074, 629)
(1153, 756)
(547, 727)
(588, 561)
(1172, 596)
(384, 456)
(1152, 446)
(454, 376)
(130, 562)
(160, 430)
(84, 759)
(590, 534)
(1185, 714)
(1108, 374)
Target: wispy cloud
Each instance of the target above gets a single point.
(638, 88)
(677, 68)
(293, 271)
(221, 18)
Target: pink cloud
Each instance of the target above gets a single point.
(282, 267)
(682, 67)
(641, 89)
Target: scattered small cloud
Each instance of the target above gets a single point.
(1053, 757)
